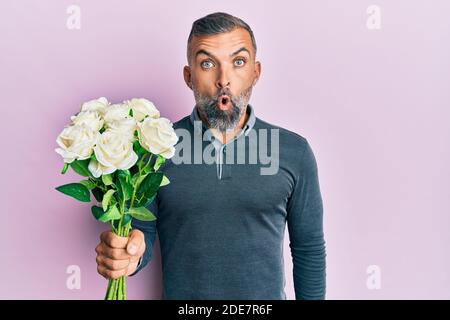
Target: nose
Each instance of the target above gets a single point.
(223, 80)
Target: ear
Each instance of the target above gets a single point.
(187, 76)
(257, 72)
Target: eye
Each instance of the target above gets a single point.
(239, 62)
(207, 64)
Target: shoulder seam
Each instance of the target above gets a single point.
(287, 131)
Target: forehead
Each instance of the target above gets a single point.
(225, 43)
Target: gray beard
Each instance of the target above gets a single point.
(222, 120)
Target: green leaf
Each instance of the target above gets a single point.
(98, 194)
(150, 184)
(99, 214)
(138, 148)
(81, 167)
(145, 202)
(130, 112)
(146, 169)
(107, 198)
(124, 174)
(164, 182)
(142, 213)
(148, 188)
(119, 194)
(88, 184)
(107, 179)
(112, 214)
(126, 219)
(134, 178)
(137, 179)
(75, 190)
(127, 174)
(124, 186)
(159, 161)
(64, 169)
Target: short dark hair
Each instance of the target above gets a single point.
(214, 23)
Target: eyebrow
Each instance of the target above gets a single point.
(203, 51)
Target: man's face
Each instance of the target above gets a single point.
(222, 73)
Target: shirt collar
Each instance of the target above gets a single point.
(247, 127)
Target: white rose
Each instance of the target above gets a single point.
(117, 112)
(142, 108)
(125, 127)
(99, 105)
(76, 142)
(91, 119)
(113, 151)
(157, 136)
(97, 169)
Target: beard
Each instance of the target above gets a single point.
(222, 120)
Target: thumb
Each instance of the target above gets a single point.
(135, 240)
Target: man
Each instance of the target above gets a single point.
(221, 225)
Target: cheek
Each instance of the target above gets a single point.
(243, 80)
(250, 75)
(204, 81)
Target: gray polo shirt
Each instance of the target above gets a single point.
(221, 221)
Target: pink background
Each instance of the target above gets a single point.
(374, 104)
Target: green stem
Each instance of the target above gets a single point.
(124, 288)
(140, 163)
(112, 289)
(114, 296)
(108, 290)
(112, 227)
(122, 212)
(117, 287)
(133, 195)
(135, 186)
(120, 291)
(149, 160)
(94, 181)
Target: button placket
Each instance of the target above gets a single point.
(221, 150)
(219, 159)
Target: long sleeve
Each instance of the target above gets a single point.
(305, 225)
(149, 230)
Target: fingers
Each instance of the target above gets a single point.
(116, 254)
(136, 239)
(114, 263)
(141, 250)
(139, 253)
(111, 264)
(131, 267)
(113, 240)
(110, 274)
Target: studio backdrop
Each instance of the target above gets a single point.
(365, 82)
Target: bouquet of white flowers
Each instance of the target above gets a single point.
(118, 148)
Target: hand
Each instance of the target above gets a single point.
(119, 256)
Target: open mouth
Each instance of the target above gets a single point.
(224, 102)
